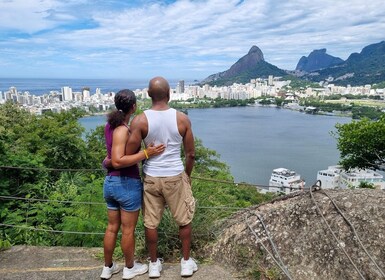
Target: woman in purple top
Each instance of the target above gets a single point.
(122, 187)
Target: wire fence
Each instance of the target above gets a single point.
(85, 214)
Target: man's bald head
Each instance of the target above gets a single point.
(159, 89)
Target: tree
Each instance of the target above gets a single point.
(362, 143)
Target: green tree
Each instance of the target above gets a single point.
(279, 101)
(14, 151)
(366, 185)
(362, 143)
(96, 146)
(372, 113)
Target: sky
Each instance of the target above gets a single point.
(183, 39)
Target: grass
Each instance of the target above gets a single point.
(360, 102)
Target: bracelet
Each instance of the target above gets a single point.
(145, 153)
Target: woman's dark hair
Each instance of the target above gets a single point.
(125, 99)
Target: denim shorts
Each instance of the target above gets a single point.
(122, 192)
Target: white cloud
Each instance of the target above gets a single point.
(194, 37)
(26, 16)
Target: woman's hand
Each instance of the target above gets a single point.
(106, 163)
(155, 150)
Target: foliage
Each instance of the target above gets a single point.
(96, 145)
(266, 101)
(366, 185)
(4, 244)
(53, 201)
(347, 96)
(362, 143)
(211, 103)
(380, 85)
(372, 113)
(279, 101)
(325, 106)
(59, 207)
(271, 101)
(357, 111)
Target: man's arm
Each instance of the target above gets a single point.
(188, 143)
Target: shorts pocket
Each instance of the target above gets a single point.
(190, 206)
(173, 182)
(148, 182)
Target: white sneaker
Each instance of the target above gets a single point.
(107, 271)
(137, 269)
(154, 268)
(188, 267)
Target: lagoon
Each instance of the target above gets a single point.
(255, 140)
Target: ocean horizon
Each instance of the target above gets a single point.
(40, 86)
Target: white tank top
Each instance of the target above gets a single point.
(163, 128)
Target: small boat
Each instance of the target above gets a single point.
(283, 180)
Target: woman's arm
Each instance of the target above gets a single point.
(118, 157)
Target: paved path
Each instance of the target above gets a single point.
(58, 263)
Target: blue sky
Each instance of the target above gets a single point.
(176, 39)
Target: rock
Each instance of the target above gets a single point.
(306, 246)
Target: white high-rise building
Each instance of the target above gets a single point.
(78, 96)
(66, 93)
(86, 94)
(13, 90)
(180, 87)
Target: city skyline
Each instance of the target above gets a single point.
(175, 39)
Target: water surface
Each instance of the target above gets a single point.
(255, 140)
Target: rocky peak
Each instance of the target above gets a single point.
(250, 66)
(245, 63)
(256, 51)
(317, 59)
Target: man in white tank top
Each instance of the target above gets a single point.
(166, 180)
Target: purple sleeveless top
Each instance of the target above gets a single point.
(131, 171)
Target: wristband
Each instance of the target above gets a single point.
(145, 153)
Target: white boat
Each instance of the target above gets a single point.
(330, 178)
(335, 177)
(285, 181)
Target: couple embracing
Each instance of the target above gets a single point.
(166, 179)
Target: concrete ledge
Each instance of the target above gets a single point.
(57, 263)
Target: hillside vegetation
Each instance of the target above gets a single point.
(51, 186)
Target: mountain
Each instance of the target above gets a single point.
(317, 59)
(366, 67)
(248, 67)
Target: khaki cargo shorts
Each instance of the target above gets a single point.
(174, 191)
